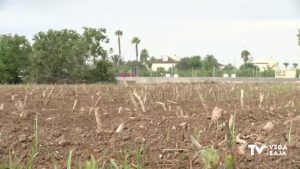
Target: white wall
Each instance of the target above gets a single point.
(286, 73)
(166, 66)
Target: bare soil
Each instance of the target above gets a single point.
(165, 134)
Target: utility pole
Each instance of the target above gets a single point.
(214, 71)
(192, 71)
(130, 71)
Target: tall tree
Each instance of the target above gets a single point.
(144, 55)
(245, 55)
(150, 61)
(190, 62)
(14, 58)
(295, 65)
(196, 61)
(57, 54)
(286, 64)
(119, 33)
(94, 39)
(210, 62)
(117, 59)
(184, 63)
(65, 56)
(136, 41)
(229, 67)
(102, 72)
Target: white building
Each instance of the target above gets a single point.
(265, 64)
(287, 73)
(165, 62)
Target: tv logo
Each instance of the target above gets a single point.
(254, 147)
(272, 149)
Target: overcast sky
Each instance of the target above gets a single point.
(267, 28)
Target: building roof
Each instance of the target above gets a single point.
(162, 60)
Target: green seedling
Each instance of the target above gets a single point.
(229, 162)
(210, 158)
(34, 150)
(290, 133)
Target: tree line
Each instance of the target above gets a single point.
(62, 56)
(55, 56)
(66, 56)
(209, 66)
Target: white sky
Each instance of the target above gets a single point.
(267, 28)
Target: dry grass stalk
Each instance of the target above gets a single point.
(163, 105)
(125, 83)
(297, 118)
(2, 107)
(290, 104)
(44, 94)
(268, 126)
(133, 101)
(50, 92)
(177, 96)
(24, 114)
(242, 98)
(120, 128)
(231, 120)
(172, 150)
(145, 99)
(20, 106)
(32, 92)
(195, 142)
(140, 101)
(216, 114)
(239, 140)
(242, 145)
(25, 99)
(98, 120)
(223, 141)
(179, 112)
(75, 103)
(261, 98)
(170, 101)
(120, 109)
(97, 101)
(242, 149)
(94, 104)
(203, 102)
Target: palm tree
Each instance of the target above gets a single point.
(119, 33)
(210, 62)
(136, 41)
(295, 65)
(116, 59)
(245, 55)
(144, 55)
(286, 65)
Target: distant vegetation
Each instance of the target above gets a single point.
(55, 56)
(66, 56)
